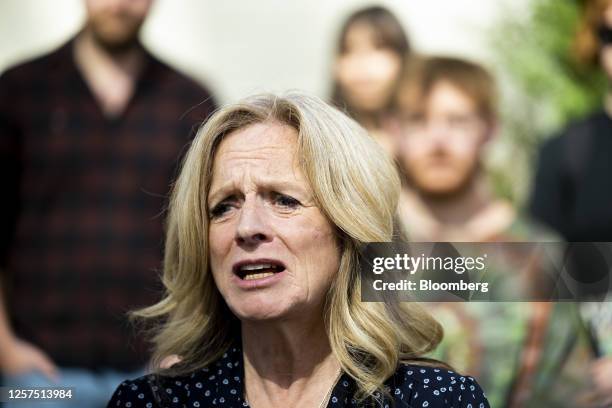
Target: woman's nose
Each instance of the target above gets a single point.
(252, 228)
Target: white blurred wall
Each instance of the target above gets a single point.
(242, 46)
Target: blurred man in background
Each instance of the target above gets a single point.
(90, 138)
(522, 351)
(448, 112)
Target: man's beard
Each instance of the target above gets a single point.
(116, 48)
(462, 187)
(118, 45)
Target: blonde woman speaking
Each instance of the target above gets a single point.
(261, 272)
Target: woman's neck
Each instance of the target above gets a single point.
(288, 363)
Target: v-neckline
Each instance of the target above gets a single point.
(337, 392)
(141, 79)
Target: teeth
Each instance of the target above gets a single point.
(252, 276)
(255, 267)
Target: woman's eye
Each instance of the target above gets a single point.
(219, 210)
(286, 201)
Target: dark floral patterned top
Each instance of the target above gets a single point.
(221, 385)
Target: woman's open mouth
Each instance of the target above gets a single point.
(259, 269)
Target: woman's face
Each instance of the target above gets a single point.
(273, 254)
(366, 72)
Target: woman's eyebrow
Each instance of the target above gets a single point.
(287, 183)
(216, 194)
(281, 185)
(293, 186)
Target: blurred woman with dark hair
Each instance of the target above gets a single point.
(370, 55)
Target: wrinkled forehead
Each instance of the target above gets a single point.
(258, 136)
(266, 150)
(257, 140)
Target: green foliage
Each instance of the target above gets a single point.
(543, 87)
(535, 50)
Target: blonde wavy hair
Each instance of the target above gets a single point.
(356, 187)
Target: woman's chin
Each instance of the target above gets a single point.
(259, 313)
